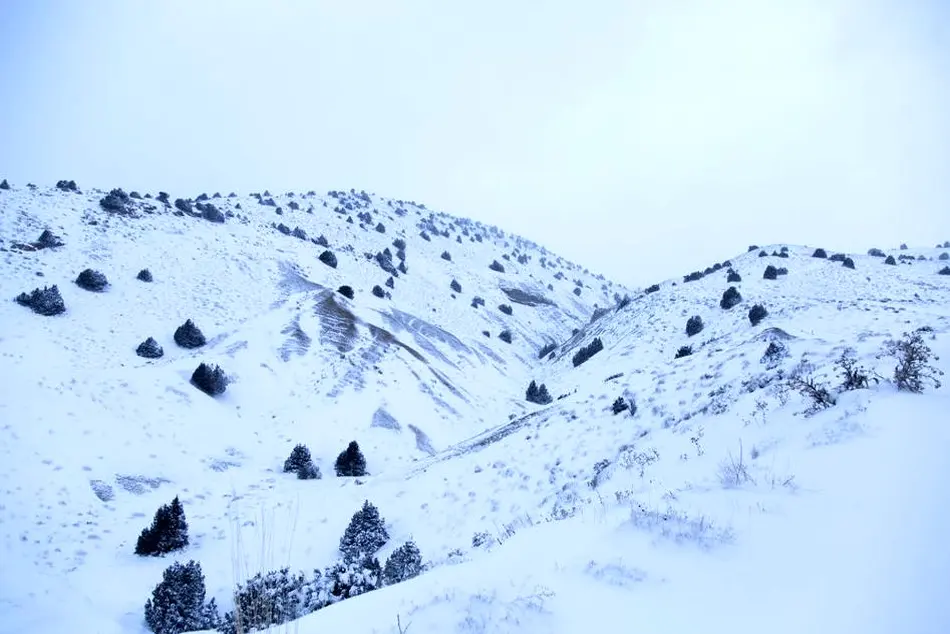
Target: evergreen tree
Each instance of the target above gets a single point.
(178, 602)
(299, 456)
(404, 563)
(351, 463)
(168, 532)
(365, 534)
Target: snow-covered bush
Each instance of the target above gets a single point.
(496, 266)
(913, 370)
(144, 275)
(150, 349)
(365, 534)
(854, 376)
(732, 277)
(505, 335)
(188, 335)
(683, 351)
(328, 258)
(757, 313)
(301, 463)
(178, 602)
(694, 325)
(404, 563)
(586, 352)
(266, 600)
(346, 291)
(730, 298)
(116, 201)
(46, 301)
(92, 280)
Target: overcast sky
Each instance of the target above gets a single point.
(643, 139)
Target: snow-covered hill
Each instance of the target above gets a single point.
(714, 502)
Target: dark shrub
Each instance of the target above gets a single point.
(855, 377)
(537, 394)
(944, 256)
(149, 349)
(378, 291)
(455, 286)
(328, 258)
(46, 301)
(163, 197)
(496, 266)
(346, 291)
(620, 405)
(771, 273)
(48, 240)
(210, 379)
(178, 602)
(211, 213)
(877, 253)
(91, 280)
(757, 313)
(115, 201)
(752, 248)
(651, 289)
(577, 291)
(547, 349)
(477, 301)
(762, 254)
(403, 268)
(351, 463)
(505, 335)
(848, 263)
(189, 336)
(4, 184)
(782, 254)
(733, 277)
(67, 186)
(267, 600)
(380, 227)
(944, 271)
(505, 308)
(365, 534)
(913, 369)
(838, 257)
(683, 351)
(322, 241)
(781, 271)
(144, 275)
(405, 563)
(694, 325)
(819, 253)
(284, 229)
(390, 282)
(183, 205)
(446, 256)
(301, 463)
(730, 298)
(168, 532)
(890, 260)
(586, 352)
(774, 354)
(818, 395)
(693, 277)
(400, 244)
(903, 247)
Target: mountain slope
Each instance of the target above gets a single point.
(579, 513)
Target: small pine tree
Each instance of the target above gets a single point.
(178, 602)
(757, 313)
(210, 379)
(684, 351)
(168, 532)
(404, 563)
(455, 286)
(819, 253)
(351, 463)
(730, 298)
(365, 534)
(188, 335)
(733, 277)
(771, 273)
(301, 463)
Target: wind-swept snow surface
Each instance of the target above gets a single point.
(713, 500)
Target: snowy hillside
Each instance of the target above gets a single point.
(672, 483)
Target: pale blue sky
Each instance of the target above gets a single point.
(643, 139)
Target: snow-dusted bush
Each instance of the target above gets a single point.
(619, 405)
(184, 205)
(757, 313)
(46, 301)
(819, 253)
(676, 525)
(266, 600)
(446, 256)
(210, 379)
(351, 462)
(803, 382)
(683, 351)
(730, 298)
(694, 325)
(944, 256)
(92, 280)
(365, 534)
(847, 263)
(537, 394)
(150, 349)
(477, 301)
(48, 240)
(913, 370)
(301, 463)
(4, 184)
(771, 273)
(116, 201)
(378, 291)
(346, 291)
(505, 308)
(168, 532)
(505, 335)
(455, 286)
(774, 354)
(144, 275)
(404, 563)
(890, 260)
(651, 289)
(695, 276)
(586, 352)
(547, 349)
(178, 602)
(854, 376)
(496, 266)
(732, 277)
(188, 335)
(328, 258)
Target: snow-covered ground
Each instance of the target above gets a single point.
(593, 519)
